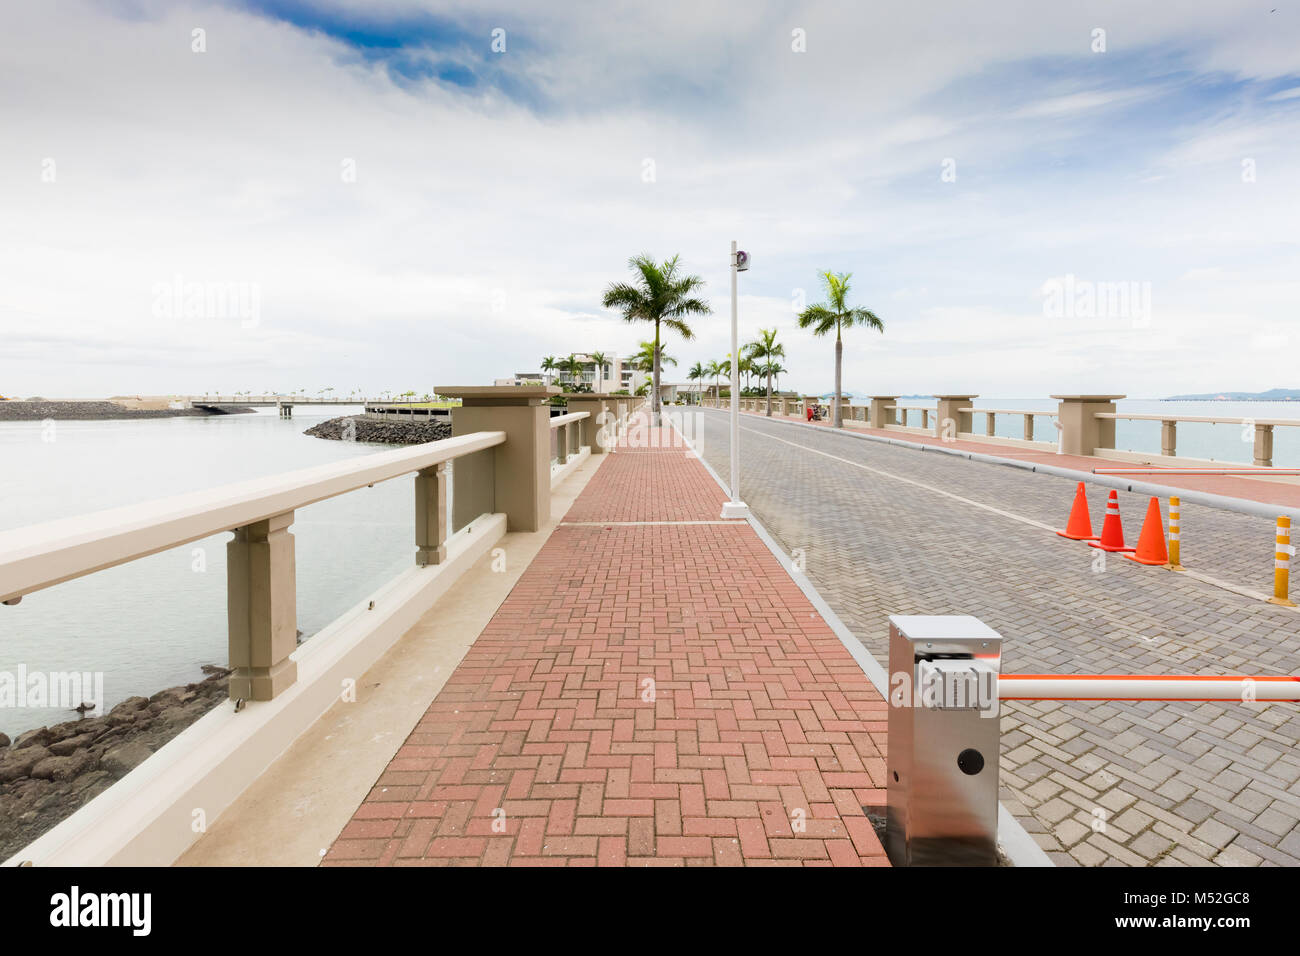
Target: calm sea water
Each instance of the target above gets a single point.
(1226, 443)
(150, 624)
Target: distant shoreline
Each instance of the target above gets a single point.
(13, 411)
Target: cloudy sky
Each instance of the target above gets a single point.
(289, 194)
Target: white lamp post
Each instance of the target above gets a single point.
(735, 508)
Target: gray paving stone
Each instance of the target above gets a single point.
(874, 547)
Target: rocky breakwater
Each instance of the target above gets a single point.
(48, 773)
(387, 431)
(38, 410)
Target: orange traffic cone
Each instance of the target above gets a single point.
(1112, 532)
(1079, 527)
(1151, 542)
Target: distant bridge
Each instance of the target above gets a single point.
(284, 403)
(267, 401)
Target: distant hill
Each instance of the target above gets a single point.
(1272, 395)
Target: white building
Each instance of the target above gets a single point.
(521, 378)
(617, 372)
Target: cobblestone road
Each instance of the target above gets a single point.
(1115, 783)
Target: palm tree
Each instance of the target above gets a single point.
(775, 368)
(600, 358)
(697, 373)
(724, 368)
(574, 368)
(659, 295)
(716, 370)
(836, 314)
(764, 351)
(548, 366)
(644, 359)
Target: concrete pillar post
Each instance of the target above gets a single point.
(1169, 437)
(880, 415)
(1082, 433)
(519, 471)
(262, 608)
(949, 420)
(596, 431)
(1264, 445)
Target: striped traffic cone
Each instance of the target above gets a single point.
(1079, 527)
(1112, 531)
(1151, 542)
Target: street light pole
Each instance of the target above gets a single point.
(735, 508)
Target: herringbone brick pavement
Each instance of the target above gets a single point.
(658, 694)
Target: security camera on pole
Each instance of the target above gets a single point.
(735, 508)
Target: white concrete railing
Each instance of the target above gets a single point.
(147, 817)
(567, 435)
(990, 422)
(262, 597)
(900, 413)
(1262, 438)
(1084, 424)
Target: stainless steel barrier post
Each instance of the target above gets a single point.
(943, 741)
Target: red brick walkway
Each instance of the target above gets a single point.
(647, 695)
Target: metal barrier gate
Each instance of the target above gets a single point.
(945, 685)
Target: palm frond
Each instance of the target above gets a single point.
(819, 318)
(866, 318)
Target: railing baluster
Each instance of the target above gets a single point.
(431, 515)
(262, 608)
(1264, 445)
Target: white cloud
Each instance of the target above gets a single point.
(479, 232)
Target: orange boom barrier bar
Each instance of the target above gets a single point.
(1141, 687)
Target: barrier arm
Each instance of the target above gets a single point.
(1146, 687)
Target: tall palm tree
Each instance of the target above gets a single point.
(745, 368)
(645, 356)
(776, 369)
(548, 366)
(644, 359)
(574, 368)
(763, 352)
(716, 370)
(661, 295)
(697, 373)
(836, 314)
(600, 358)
